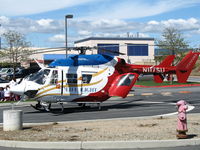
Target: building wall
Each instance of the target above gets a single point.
(123, 49)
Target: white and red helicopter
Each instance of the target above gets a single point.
(94, 78)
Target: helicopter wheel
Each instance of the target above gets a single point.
(49, 107)
(62, 107)
(99, 106)
(38, 106)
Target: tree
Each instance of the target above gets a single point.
(173, 41)
(16, 47)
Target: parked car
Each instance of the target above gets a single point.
(3, 82)
(21, 73)
(5, 71)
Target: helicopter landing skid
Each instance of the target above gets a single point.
(46, 107)
(62, 107)
(37, 108)
(43, 107)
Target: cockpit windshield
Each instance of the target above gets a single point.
(39, 77)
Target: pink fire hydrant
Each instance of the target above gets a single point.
(182, 119)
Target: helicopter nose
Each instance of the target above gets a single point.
(31, 93)
(25, 87)
(18, 89)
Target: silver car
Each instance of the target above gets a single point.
(5, 71)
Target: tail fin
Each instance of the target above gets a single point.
(167, 61)
(158, 78)
(185, 66)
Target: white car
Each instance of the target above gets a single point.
(5, 71)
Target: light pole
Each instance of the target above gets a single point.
(0, 40)
(66, 17)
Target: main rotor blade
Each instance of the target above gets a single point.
(114, 52)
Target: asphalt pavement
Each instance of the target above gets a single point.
(154, 101)
(146, 102)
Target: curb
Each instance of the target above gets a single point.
(100, 144)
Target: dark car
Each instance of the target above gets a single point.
(3, 82)
(21, 73)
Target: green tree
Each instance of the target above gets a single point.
(173, 40)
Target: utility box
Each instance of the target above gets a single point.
(12, 120)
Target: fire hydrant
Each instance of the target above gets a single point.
(182, 120)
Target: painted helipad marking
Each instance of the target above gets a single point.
(150, 102)
(185, 92)
(131, 95)
(147, 94)
(166, 93)
(190, 107)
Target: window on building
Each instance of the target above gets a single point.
(137, 49)
(108, 49)
(71, 78)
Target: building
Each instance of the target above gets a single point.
(137, 50)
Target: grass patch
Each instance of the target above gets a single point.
(152, 83)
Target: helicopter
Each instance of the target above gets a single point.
(93, 79)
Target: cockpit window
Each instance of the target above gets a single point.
(39, 77)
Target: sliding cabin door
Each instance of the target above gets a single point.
(86, 78)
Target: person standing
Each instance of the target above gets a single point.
(1, 94)
(7, 95)
(14, 97)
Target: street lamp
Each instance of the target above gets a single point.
(0, 40)
(66, 17)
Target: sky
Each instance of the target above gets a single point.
(43, 21)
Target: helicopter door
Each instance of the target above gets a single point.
(123, 84)
(72, 84)
(54, 80)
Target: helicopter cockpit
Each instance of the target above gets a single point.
(39, 77)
